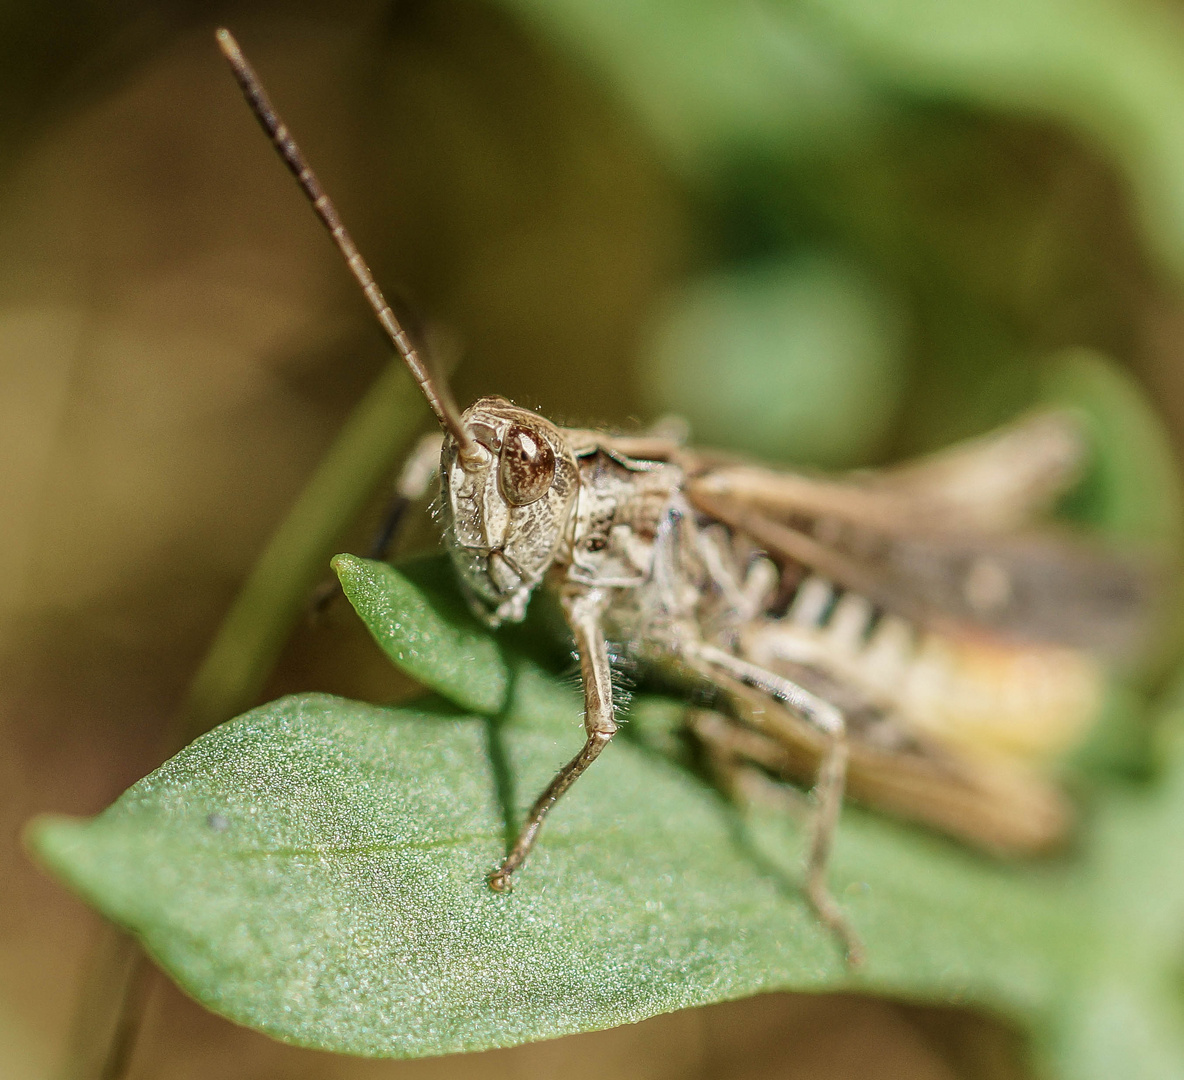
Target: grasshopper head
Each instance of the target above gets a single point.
(509, 505)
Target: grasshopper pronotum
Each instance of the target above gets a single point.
(905, 634)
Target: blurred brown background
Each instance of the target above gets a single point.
(178, 344)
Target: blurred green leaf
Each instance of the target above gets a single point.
(708, 77)
(1132, 490)
(1132, 493)
(798, 360)
(1112, 71)
(1119, 1012)
(816, 78)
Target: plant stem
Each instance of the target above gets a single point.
(252, 635)
(236, 667)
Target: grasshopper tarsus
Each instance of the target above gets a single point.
(818, 889)
(584, 609)
(832, 917)
(500, 881)
(854, 952)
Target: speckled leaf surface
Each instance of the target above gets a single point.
(428, 633)
(315, 869)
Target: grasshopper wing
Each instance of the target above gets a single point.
(948, 541)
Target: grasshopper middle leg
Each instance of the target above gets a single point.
(829, 783)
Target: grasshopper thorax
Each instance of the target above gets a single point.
(509, 506)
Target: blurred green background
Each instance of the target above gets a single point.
(830, 232)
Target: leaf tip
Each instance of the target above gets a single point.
(49, 840)
(344, 563)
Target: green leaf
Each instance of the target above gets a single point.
(1112, 71)
(1133, 488)
(801, 360)
(426, 630)
(315, 869)
(817, 78)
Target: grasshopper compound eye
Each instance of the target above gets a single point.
(527, 467)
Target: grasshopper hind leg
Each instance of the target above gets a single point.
(829, 785)
(828, 792)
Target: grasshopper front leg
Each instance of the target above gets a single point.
(419, 472)
(415, 479)
(584, 609)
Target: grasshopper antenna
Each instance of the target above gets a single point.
(281, 138)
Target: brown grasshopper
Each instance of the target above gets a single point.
(907, 634)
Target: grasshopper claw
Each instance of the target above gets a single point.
(500, 882)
